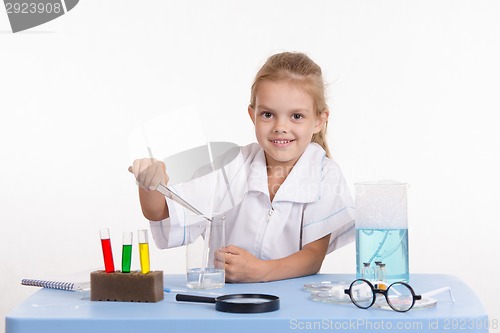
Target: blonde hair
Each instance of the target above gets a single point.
(297, 68)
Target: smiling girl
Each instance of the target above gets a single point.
(297, 206)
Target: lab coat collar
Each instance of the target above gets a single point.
(302, 184)
(257, 178)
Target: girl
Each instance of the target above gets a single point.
(296, 206)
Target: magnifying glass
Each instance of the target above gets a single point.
(237, 303)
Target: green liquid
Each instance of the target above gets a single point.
(126, 258)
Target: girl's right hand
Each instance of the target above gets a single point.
(149, 173)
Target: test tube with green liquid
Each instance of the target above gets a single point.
(144, 250)
(127, 252)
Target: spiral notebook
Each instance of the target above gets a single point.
(72, 282)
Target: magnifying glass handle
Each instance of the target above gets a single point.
(192, 298)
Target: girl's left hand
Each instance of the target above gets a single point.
(240, 265)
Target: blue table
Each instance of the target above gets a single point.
(56, 311)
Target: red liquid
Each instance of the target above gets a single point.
(108, 255)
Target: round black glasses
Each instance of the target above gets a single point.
(399, 295)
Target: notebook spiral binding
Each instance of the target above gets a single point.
(61, 285)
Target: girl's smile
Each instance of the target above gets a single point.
(282, 143)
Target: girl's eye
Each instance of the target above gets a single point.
(297, 116)
(267, 114)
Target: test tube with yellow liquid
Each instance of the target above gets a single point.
(144, 250)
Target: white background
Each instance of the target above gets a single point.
(414, 96)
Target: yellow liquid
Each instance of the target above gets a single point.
(144, 255)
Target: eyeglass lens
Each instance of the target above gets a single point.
(400, 297)
(362, 294)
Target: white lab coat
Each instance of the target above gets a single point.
(312, 202)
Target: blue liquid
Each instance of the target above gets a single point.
(389, 246)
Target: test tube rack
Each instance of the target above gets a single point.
(126, 287)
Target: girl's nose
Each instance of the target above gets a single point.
(280, 126)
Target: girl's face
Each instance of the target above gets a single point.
(285, 121)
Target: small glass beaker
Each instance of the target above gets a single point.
(204, 261)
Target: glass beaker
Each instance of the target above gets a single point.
(382, 227)
(204, 261)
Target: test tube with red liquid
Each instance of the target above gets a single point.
(107, 253)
